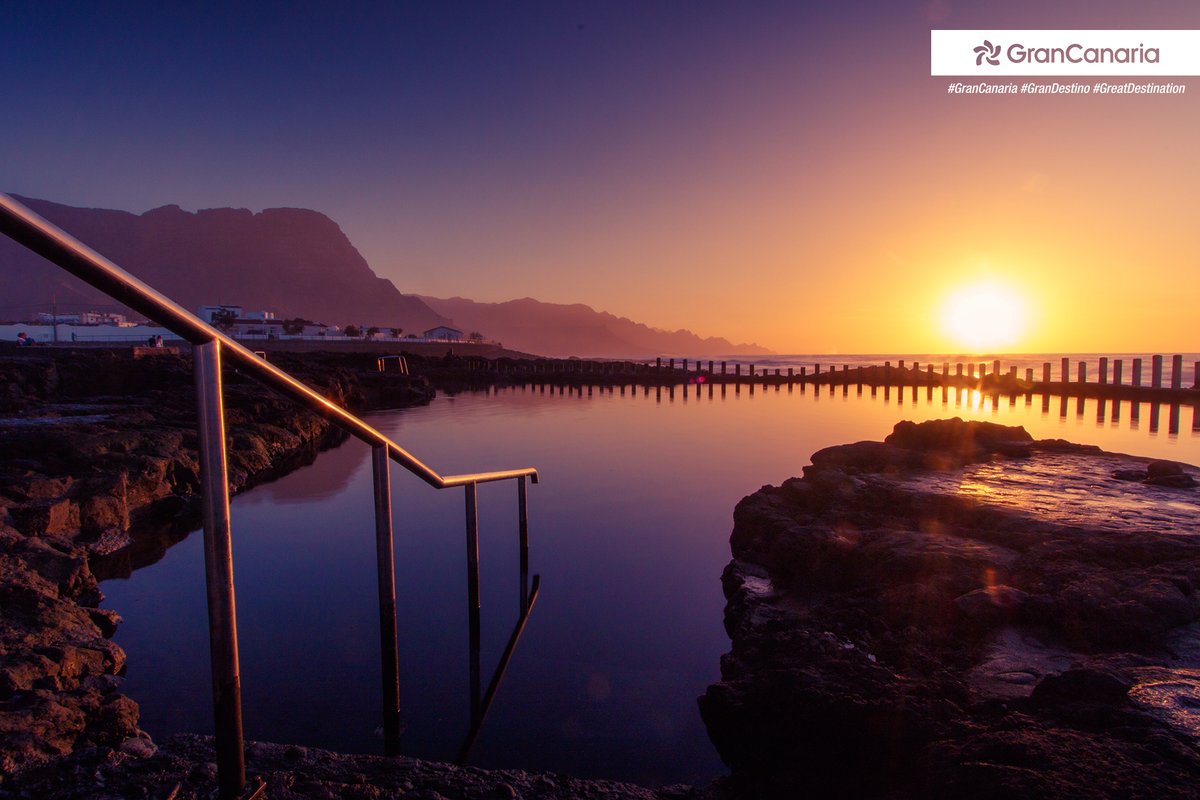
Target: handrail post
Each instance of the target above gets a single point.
(473, 596)
(218, 572)
(523, 527)
(389, 655)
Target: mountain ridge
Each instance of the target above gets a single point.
(297, 262)
(293, 261)
(576, 329)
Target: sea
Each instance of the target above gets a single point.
(629, 530)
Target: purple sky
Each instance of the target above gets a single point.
(706, 165)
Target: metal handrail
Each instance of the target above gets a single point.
(54, 244)
(59, 247)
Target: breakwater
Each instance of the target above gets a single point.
(1159, 377)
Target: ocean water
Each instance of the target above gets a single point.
(629, 533)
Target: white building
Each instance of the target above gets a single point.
(83, 318)
(444, 333)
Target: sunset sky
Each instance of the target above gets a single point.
(779, 172)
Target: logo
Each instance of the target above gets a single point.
(1070, 53)
(989, 51)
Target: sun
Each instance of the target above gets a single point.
(984, 316)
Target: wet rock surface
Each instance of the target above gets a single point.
(960, 611)
(183, 768)
(99, 475)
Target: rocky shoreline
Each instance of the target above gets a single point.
(957, 611)
(961, 611)
(99, 476)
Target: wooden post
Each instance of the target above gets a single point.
(958, 370)
(658, 363)
(1066, 370)
(1102, 374)
(1029, 375)
(1156, 365)
(1177, 372)
(791, 373)
(1012, 374)
(996, 368)
(1135, 379)
(751, 370)
(1195, 380)
(737, 370)
(803, 371)
(1083, 372)
(710, 368)
(1116, 382)
(1046, 372)
(722, 367)
(685, 366)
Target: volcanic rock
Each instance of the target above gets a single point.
(959, 612)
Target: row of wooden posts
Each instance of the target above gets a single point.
(901, 374)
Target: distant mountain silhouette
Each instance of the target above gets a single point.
(298, 263)
(292, 261)
(555, 329)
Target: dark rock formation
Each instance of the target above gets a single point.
(99, 476)
(183, 768)
(963, 612)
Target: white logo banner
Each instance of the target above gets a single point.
(1064, 53)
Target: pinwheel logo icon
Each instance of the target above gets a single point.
(989, 51)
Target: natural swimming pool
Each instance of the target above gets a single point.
(629, 531)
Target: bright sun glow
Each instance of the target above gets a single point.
(984, 316)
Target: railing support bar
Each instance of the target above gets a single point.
(389, 655)
(473, 596)
(523, 526)
(218, 572)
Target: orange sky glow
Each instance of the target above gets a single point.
(774, 173)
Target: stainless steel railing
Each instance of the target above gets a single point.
(210, 346)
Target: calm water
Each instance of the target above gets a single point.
(629, 531)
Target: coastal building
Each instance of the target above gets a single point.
(211, 313)
(84, 318)
(441, 332)
(260, 324)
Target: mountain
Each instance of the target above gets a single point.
(292, 261)
(298, 263)
(555, 329)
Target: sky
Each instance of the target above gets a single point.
(783, 173)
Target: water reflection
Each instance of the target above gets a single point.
(1108, 411)
(626, 635)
